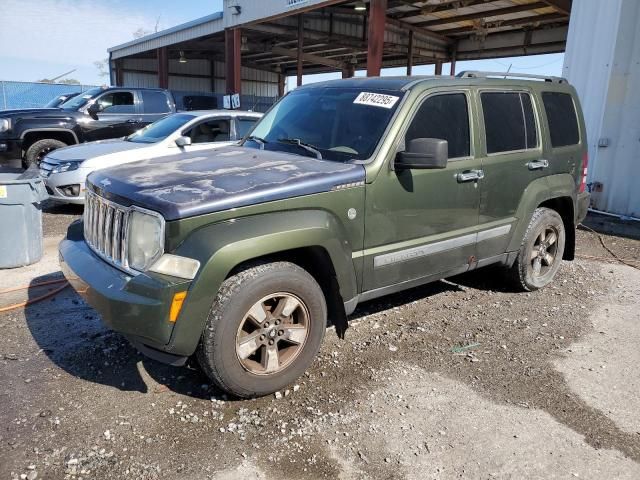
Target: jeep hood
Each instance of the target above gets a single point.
(84, 151)
(182, 186)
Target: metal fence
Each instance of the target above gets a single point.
(33, 94)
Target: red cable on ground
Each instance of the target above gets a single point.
(36, 299)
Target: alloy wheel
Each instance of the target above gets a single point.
(544, 251)
(272, 333)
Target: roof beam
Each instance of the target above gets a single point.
(484, 14)
(308, 57)
(562, 6)
(516, 22)
(429, 9)
(420, 31)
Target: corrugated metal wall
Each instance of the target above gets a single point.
(254, 82)
(602, 61)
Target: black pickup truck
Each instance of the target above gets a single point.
(97, 114)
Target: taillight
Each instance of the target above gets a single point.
(583, 180)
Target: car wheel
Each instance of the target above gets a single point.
(38, 150)
(264, 329)
(541, 251)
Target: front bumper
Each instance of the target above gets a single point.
(10, 149)
(582, 206)
(135, 306)
(58, 183)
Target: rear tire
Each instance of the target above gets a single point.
(38, 150)
(541, 251)
(264, 329)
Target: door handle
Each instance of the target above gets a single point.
(469, 176)
(538, 164)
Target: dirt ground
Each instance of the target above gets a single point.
(462, 378)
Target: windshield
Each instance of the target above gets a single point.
(337, 123)
(59, 100)
(161, 129)
(80, 100)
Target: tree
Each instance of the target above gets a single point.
(103, 67)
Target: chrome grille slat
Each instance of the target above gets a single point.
(105, 229)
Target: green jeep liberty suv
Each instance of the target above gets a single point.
(345, 191)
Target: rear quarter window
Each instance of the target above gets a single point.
(562, 119)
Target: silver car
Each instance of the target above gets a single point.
(66, 169)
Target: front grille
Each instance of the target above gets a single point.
(106, 229)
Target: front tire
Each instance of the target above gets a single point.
(264, 329)
(38, 150)
(541, 251)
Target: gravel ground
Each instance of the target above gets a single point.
(462, 378)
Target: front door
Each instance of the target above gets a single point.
(424, 222)
(117, 116)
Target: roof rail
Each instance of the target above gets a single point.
(480, 74)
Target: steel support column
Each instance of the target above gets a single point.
(300, 47)
(281, 80)
(410, 54)
(163, 67)
(232, 59)
(438, 69)
(375, 40)
(119, 73)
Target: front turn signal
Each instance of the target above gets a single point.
(176, 306)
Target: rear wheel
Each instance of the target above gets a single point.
(265, 327)
(541, 251)
(38, 150)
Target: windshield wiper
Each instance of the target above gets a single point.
(307, 146)
(258, 140)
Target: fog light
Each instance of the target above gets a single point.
(176, 306)
(70, 190)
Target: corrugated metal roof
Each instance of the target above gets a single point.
(187, 31)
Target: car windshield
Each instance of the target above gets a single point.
(327, 122)
(80, 100)
(59, 100)
(161, 129)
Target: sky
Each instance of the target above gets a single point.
(46, 38)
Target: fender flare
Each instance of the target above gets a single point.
(537, 192)
(221, 247)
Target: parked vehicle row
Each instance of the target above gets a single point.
(343, 192)
(65, 169)
(97, 114)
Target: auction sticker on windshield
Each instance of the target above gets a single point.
(376, 99)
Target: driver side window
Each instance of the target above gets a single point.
(446, 117)
(217, 130)
(117, 102)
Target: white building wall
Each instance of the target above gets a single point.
(254, 82)
(602, 61)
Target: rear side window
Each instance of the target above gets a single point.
(562, 118)
(155, 102)
(445, 117)
(243, 125)
(509, 121)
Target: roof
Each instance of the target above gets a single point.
(180, 33)
(233, 113)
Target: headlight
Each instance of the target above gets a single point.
(65, 167)
(176, 266)
(5, 124)
(146, 238)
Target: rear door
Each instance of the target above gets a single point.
(511, 152)
(154, 105)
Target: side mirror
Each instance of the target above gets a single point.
(93, 110)
(183, 141)
(423, 153)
